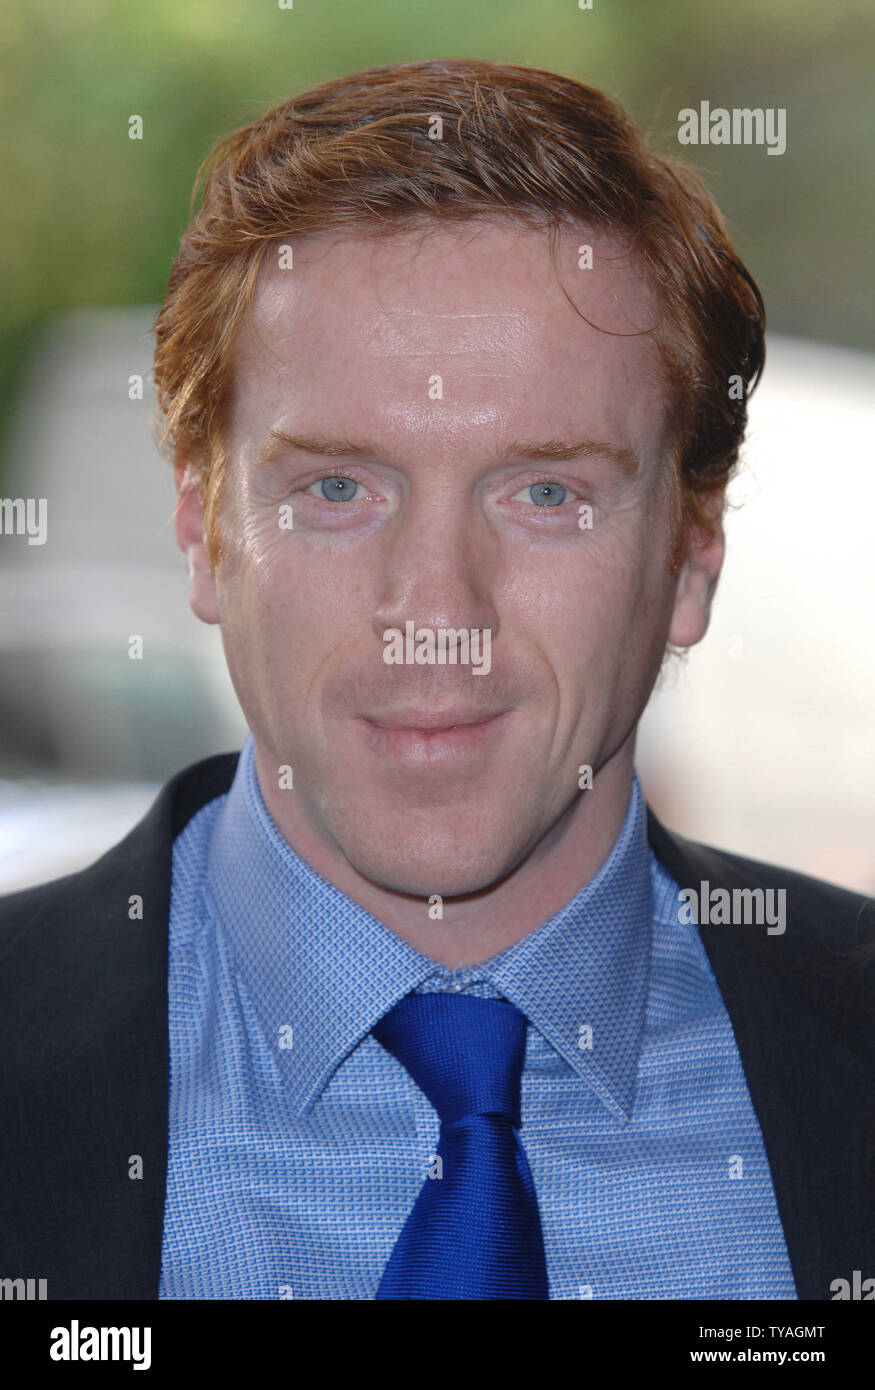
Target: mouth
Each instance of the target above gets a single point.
(420, 737)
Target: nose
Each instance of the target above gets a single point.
(438, 569)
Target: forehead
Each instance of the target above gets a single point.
(355, 333)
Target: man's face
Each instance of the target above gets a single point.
(432, 367)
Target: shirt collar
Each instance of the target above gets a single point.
(315, 962)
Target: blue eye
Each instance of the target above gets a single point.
(337, 489)
(547, 494)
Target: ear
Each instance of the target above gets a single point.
(698, 577)
(191, 538)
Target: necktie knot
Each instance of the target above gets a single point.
(465, 1053)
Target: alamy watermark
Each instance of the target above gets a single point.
(741, 126)
(707, 906)
(856, 1288)
(28, 1289)
(75, 1343)
(24, 516)
(445, 646)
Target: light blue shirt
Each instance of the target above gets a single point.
(298, 1144)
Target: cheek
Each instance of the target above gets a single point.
(586, 596)
(601, 620)
(569, 618)
(289, 614)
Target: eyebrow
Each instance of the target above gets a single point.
(553, 449)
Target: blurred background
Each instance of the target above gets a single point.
(760, 740)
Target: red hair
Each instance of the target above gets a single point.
(355, 154)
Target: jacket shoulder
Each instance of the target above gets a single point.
(821, 911)
(802, 1006)
(802, 948)
(84, 1040)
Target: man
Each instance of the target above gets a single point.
(405, 1002)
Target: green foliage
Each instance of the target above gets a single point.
(92, 217)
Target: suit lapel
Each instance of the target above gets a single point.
(92, 1112)
(797, 1008)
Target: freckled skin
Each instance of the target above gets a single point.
(438, 526)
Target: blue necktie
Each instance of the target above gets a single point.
(475, 1231)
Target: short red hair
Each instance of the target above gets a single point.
(355, 154)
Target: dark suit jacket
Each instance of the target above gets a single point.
(83, 1030)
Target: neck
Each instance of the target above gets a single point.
(478, 925)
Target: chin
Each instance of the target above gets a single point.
(449, 865)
